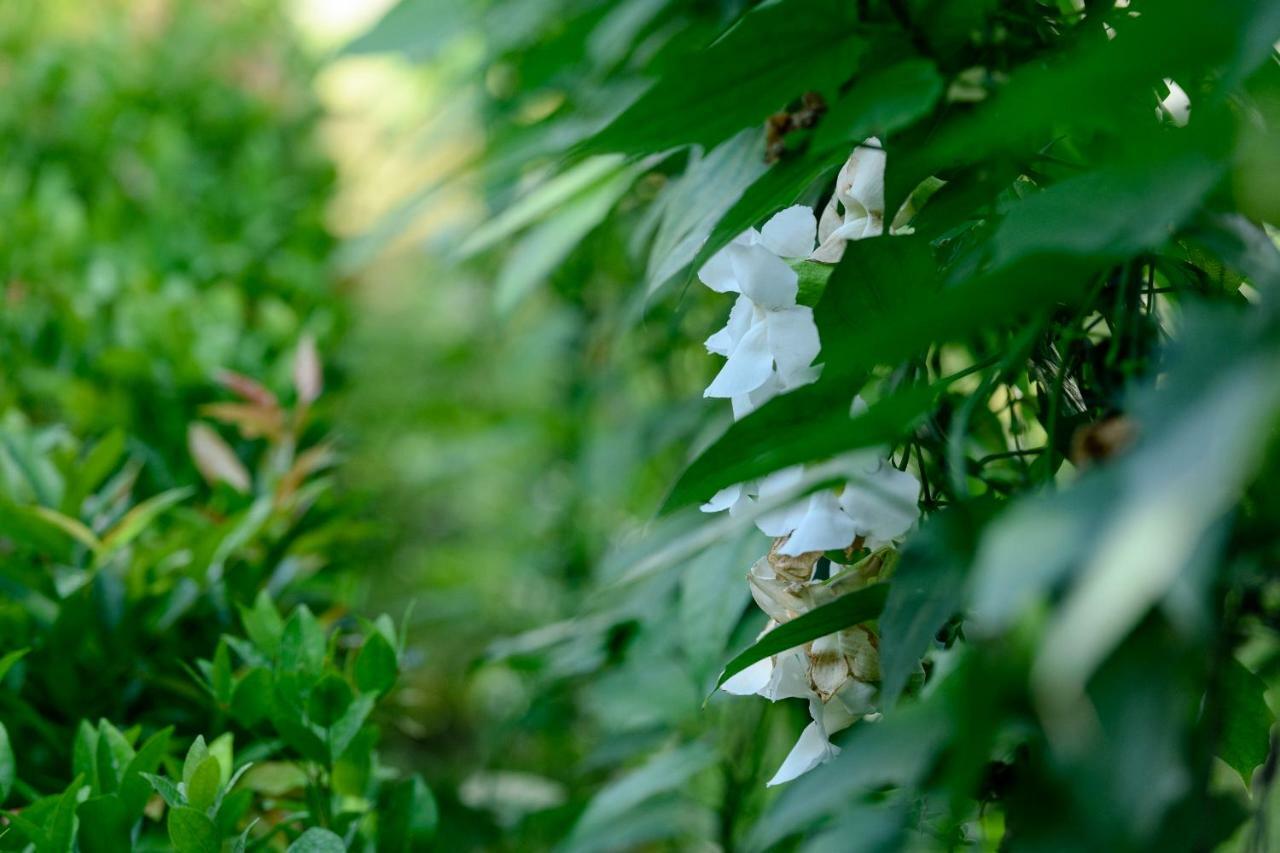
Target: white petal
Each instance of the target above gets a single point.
(883, 504)
(824, 527)
(1177, 104)
(723, 499)
(740, 317)
(789, 678)
(748, 367)
(810, 750)
(790, 233)
(854, 701)
(717, 273)
(867, 186)
(745, 404)
(781, 521)
(751, 680)
(793, 341)
(764, 277)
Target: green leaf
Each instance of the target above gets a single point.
(879, 104)
(251, 697)
(135, 789)
(60, 827)
(192, 831)
(927, 590)
(196, 754)
(773, 55)
(104, 825)
(92, 470)
(780, 186)
(854, 608)
(1246, 729)
(579, 180)
(536, 254)
(814, 424)
(692, 204)
(329, 700)
(317, 840)
(666, 771)
(7, 661)
(376, 666)
(263, 624)
(140, 517)
(348, 725)
(166, 789)
(220, 674)
(8, 767)
(407, 815)
(204, 785)
(302, 644)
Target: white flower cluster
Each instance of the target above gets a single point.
(769, 344)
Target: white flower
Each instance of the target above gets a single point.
(1176, 105)
(770, 341)
(879, 504)
(856, 209)
(883, 504)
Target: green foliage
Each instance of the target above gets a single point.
(1066, 333)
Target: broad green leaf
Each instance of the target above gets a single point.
(773, 55)
(192, 831)
(854, 608)
(317, 840)
(879, 104)
(1246, 728)
(407, 815)
(329, 700)
(927, 590)
(141, 516)
(104, 825)
(251, 697)
(376, 666)
(204, 785)
(135, 789)
(8, 767)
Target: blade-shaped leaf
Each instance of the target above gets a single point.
(847, 610)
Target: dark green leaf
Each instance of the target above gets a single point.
(407, 815)
(773, 55)
(302, 644)
(329, 700)
(1246, 729)
(167, 790)
(104, 825)
(135, 789)
(376, 666)
(854, 608)
(879, 104)
(927, 590)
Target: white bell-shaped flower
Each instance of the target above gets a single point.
(856, 209)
